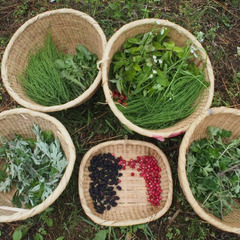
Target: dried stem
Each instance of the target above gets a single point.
(229, 170)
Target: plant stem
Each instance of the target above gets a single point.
(229, 170)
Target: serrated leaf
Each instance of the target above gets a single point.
(137, 67)
(118, 85)
(134, 40)
(81, 50)
(169, 45)
(61, 238)
(101, 235)
(17, 235)
(130, 74)
(38, 236)
(49, 221)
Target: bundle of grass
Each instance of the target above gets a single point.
(53, 77)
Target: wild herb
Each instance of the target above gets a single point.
(160, 80)
(53, 77)
(213, 170)
(33, 166)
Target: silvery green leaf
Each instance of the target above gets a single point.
(61, 165)
(36, 188)
(6, 185)
(46, 193)
(36, 160)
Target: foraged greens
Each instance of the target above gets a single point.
(33, 166)
(53, 77)
(213, 170)
(161, 82)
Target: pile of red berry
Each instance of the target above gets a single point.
(120, 98)
(148, 167)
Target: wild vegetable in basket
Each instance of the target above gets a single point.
(53, 77)
(33, 167)
(156, 83)
(213, 170)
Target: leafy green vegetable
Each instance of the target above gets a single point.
(53, 77)
(34, 171)
(160, 80)
(213, 170)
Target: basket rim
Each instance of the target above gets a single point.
(159, 134)
(22, 213)
(35, 106)
(126, 222)
(217, 222)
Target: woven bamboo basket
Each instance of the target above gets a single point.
(69, 28)
(133, 207)
(224, 118)
(180, 36)
(20, 121)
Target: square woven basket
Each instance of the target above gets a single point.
(224, 118)
(20, 121)
(133, 207)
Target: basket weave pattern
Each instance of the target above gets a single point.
(224, 118)
(133, 207)
(69, 28)
(180, 36)
(20, 121)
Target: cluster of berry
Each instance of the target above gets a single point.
(120, 98)
(148, 167)
(105, 175)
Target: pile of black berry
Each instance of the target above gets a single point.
(105, 175)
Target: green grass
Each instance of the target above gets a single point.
(94, 122)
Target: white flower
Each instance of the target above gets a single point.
(150, 33)
(155, 60)
(154, 57)
(193, 48)
(200, 37)
(154, 71)
(151, 76)
(193, 51)
(162, 30)
(195, 55)
(160, 61)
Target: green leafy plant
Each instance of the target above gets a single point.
(34, 167)
(52, 77)
(43, 220)
(161, 83)
(213, 170)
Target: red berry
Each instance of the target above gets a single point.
(132, 174)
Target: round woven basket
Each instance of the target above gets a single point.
(133, 207)
(224, 118)
(68, 28)
(20, 121)
(180, 36)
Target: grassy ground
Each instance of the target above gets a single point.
(93, 122)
